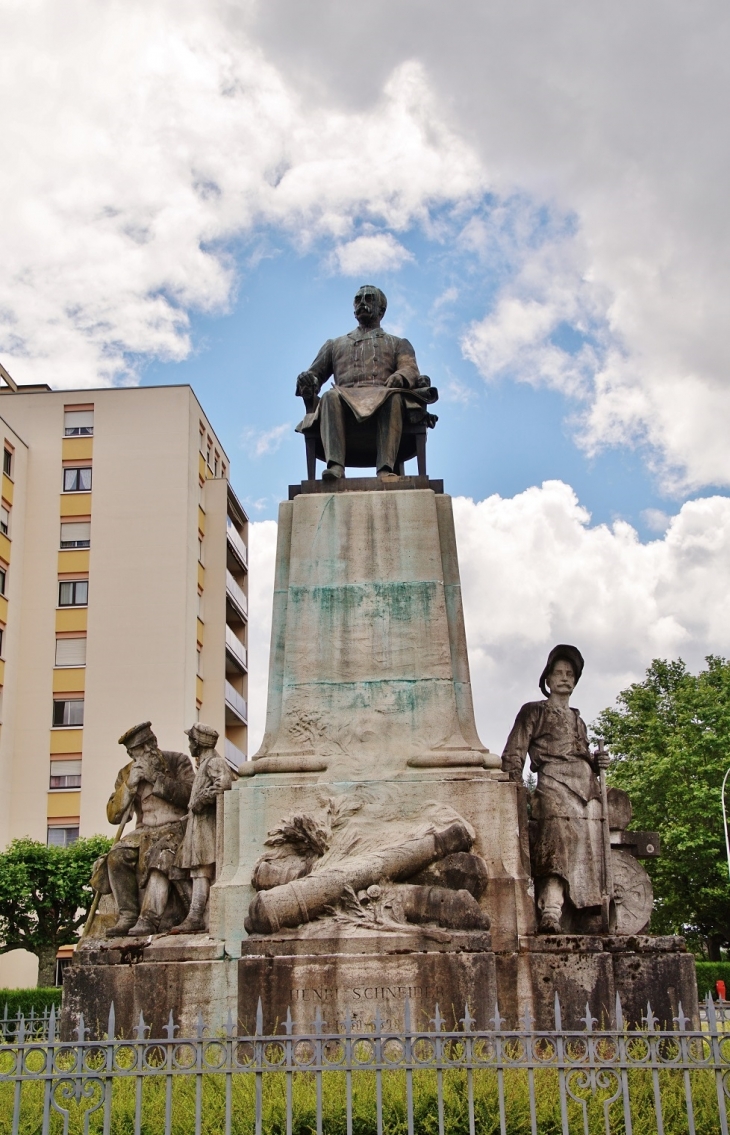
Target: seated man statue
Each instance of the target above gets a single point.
(374, 374)
(567, 852)
(154, 785)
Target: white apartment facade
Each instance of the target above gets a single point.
(123, 597)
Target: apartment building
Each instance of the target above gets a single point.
(123, 597)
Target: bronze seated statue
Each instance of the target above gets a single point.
(375, 412)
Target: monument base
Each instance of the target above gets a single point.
(183, 974)
(363, 975)
(588, 970)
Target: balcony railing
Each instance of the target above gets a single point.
(236, 543)
(237, 596)
(235, 647)
(233, 755)
(236, 703)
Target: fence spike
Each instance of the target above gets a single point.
(318, 1021)
(259, 1019)
(20, 1032)
(378, 1022)
(52, 1024)
(651, 1020)
(81, 1029)
(111, 1025)
(288, 1023)
(589, 1019)
(348, 1021)
(710, 1010)
(497, 1021)
(199, 1025)
(680, 1019)
(438, 1020)
(229, 1024)
(407, 1015)
(527, 1018)
(558, 1014)
(139, 1029)
(619, 1013)
(467, 1020)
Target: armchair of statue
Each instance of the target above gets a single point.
(361, 439)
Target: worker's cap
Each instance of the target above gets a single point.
(563, 653)
(138, 735)
(204, 735)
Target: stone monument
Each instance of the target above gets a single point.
(374, 851)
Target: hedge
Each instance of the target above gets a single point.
(23, 1000)
(710, 972)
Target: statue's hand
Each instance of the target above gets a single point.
(603, 759)
(306, 385)
(136, 774)
(396, 382)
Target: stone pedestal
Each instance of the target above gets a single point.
(370, 708)
(365, 974)
(186, 974)
(590, 970)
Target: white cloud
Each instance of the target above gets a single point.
(143, 136)
(380, 252)
(535, 572)
(260, 443)
(656, 520)
(612, 117)
(262, 558)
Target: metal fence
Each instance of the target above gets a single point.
(355, 1082)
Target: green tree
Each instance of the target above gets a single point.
(670, 741)
(44, 897)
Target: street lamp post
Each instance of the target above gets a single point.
(724, 818)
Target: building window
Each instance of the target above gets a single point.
(77, 480)
(78, 423)
(200, 550)
(69, 711)
(215, 465)
(207, 452)
(73, 593)
(2, 636)
(62, 837)
(70, 652)
(3, 579)
(65, 774)
(76, 535)
(199, 671)
(4, 520)
(8, 462)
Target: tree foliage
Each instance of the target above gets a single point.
(670, 741)
(44, 896)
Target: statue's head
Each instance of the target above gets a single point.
(369, 305)
(565, 666)
(201, 737)
(139, 737)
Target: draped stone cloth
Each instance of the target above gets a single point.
(198, 848)
(567, 801)
(361, 362)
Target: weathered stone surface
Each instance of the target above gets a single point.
(151, 987)
(486, 800)
(366, 485)
(591, 970)
(363, 983)
(368, 666)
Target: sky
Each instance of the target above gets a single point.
(196, 190)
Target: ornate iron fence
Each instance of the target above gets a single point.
(346, 1081)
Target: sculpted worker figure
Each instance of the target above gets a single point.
(155, 785)
(371, 370)
(197, 854)
(567, 853)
